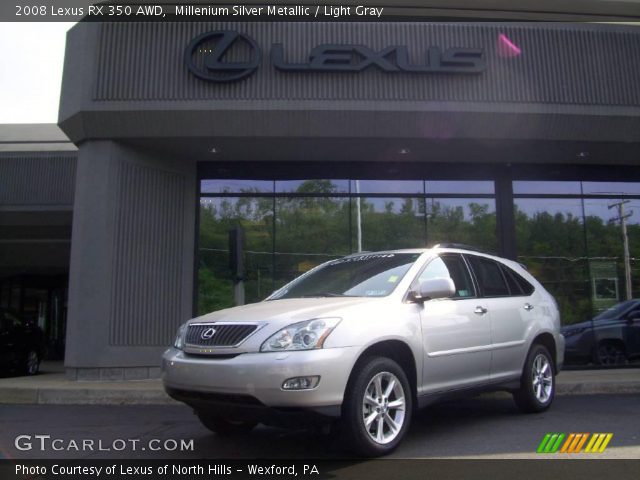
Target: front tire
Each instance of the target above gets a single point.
(225, 427)
(377, 407)
(538, 383)
(610, 354)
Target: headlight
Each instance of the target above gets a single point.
(305, 335)
(179, 341)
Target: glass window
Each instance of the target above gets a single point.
(544, 187)
(215, 278)
(313, 186)
(387, 186)
(525, 287)
(550, 242)
(292, 226)
(309, 231)
(467, 221)
(364, 275)
(388, 223)
(459, 186)
(450, 266)
(514, 286)
(605, 250)
(236, 186)
(608, 188)
(490, 278)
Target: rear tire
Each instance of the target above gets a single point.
(32, 363)
(377, 407)
(538, 383)
(225, 427)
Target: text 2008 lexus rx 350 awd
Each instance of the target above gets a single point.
(364, 340)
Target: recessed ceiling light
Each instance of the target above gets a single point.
(214, 150)
(404, 151)
(583, 154)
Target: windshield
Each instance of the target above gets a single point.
(616, 311)
(367, 275)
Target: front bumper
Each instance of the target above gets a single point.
(257, 378)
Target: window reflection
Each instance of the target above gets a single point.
(555, 187)
(574, 246)
(236, 186)
(387, 186)
(309, 231)
(611, 188)
(390, 223)
(215, 279)
(298, 224)
(313, 186)
(468, 221)
(459, 186)
(550, 242)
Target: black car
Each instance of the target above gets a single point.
(21, 345)
(611, 338)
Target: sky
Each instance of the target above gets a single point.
(31, 59)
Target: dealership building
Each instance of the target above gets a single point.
(318, 140)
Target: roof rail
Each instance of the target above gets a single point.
(462, 246)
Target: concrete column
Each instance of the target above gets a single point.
(131, 271)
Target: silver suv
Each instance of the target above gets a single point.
(364, 340)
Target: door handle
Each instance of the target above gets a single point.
(480, 310)
(528, 307)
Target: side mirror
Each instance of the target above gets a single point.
(633, 316)
(433, 288)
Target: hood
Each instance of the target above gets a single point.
(591, 323)
(286, 311)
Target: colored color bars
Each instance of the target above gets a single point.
(552, 443)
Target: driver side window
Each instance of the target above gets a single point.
(450, 266)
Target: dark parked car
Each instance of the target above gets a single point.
(21, 345)
(611, 338)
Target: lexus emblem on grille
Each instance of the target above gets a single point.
(208, 333)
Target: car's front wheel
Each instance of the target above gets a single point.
(610, 353)
(538, 382)
(225, 426)
(377, 407)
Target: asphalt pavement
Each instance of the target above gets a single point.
(481, 427)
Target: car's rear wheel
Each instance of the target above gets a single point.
(377, 407)
(538, 383)
(32, 363)
(225, 426)
(610, 353)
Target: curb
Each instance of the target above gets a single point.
(83, 396)
(598, 388)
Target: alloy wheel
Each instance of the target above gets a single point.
(383, 407)
(542, 378)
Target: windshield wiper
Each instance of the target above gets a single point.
(324, 294)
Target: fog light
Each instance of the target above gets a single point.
(301, 383)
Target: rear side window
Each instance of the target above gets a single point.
(489, 276)
(517, 284)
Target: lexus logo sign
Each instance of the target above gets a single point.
(226, 56)
(208, 333)
(210, 48)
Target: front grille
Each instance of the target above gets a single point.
(226, 335)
